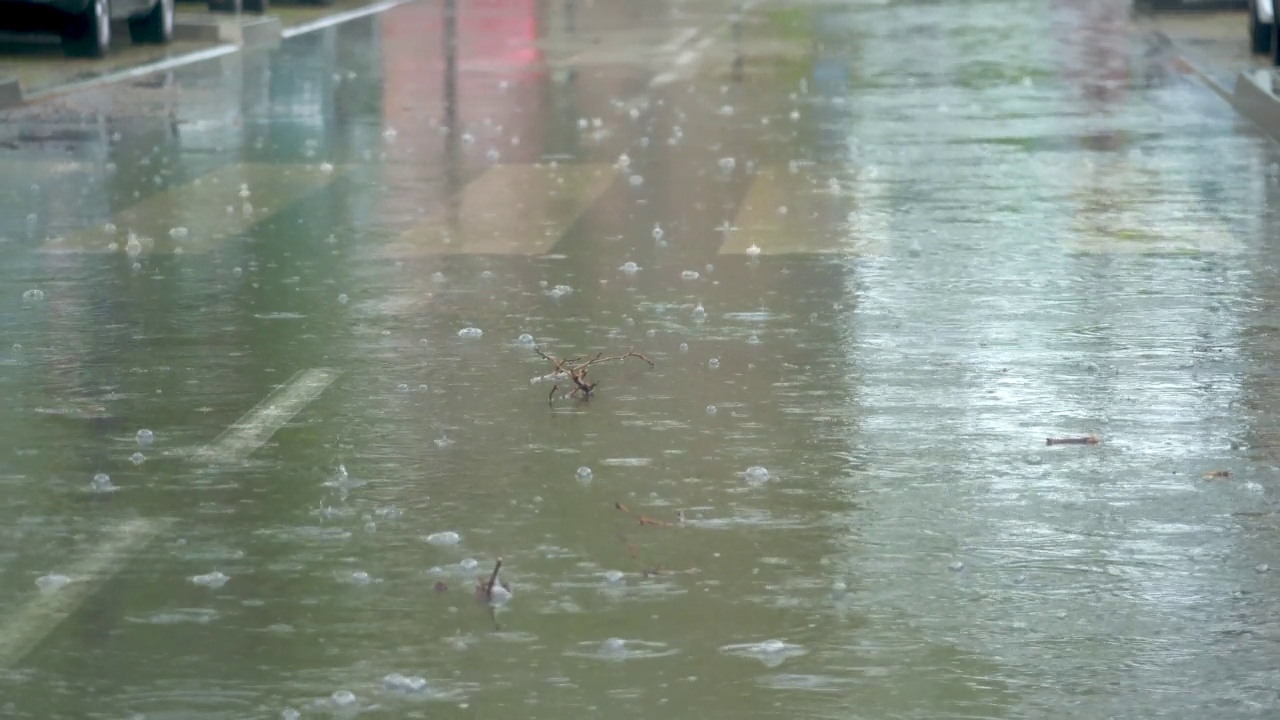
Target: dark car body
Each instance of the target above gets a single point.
(53, 15)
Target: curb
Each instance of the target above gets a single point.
(246, 30)
(10, 93)
(1255, 98)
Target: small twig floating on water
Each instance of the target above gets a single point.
(1090, 440)
(484, 588)
(1217, 474)
(575, 369)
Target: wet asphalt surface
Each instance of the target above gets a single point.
(273, 405)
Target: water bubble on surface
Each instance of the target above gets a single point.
(684, 347)
(470, 332)
(630, 268)
(468, 563)
(290, 714)
(493, 155)
(214, 579)
(635, 180)
(711, 410)
(584, 473)
(614, 577)
(109, 228)
(137, 458)
(770, 652)
(1262, 567)
(727, 164)
(52, 582)
(448, 537)
(359, 577)
(753, 250)
(133, 247)
(713, 363)
(343, 698)
(343, 299)
(690, 275)
(956, 566)
(624, 161)
(657, 231)
(795, 114)
(560, 291)
(525, 339)
(178, 233)
(699, 311)
(33, 295)
(756, 474)
(401, 683)
(102, 483)
(726, 110)
(145, 437)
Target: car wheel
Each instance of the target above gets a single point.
(154, 27)
(89, 34)
(1259, 33)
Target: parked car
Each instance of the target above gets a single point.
(1262, 25)
(85, 25)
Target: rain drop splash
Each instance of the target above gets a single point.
(52, 582)
(657, 231)
(753, 251)
(690, 275)
(343, 698)
(756, 475)
(145, 437)
(584, 474)
(400, 683)
(214, 579)
(33, 295)
(525, 339)
(470, 332)
(447, 537)
(713, 363)
(137, 458)
(770, 652)
(630, 268)
(699, 312)
(727, 164)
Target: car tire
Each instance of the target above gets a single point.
(154, 27)
(89, 34)
(1259, 33)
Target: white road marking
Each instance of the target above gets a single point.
(134, 73)
(255, 427)
(23, 630)
(339, 18)
(676, 42)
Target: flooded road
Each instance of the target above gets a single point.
(273, 406)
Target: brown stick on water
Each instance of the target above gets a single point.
(1091, 440)
(488, 587)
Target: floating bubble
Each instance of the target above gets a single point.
(684, 347)
(400, 683)
(560, 291)
(713, 363)
(756, 474)
(525, 339)
(214, 579)
(145, 437)
(624, 161)
(343, 698)
(699, 311)
(359, 577)
(795, 114)
(635, 180)
(109, 228)
(690, 275)
(137, 458)
(468, 563)
(52, 582)
(657, 231)
(630, 268)
(470, 332)
(584, 473)
(956, 566)
(33, 295)
(447, 537)
(711, 410)
(726, 110)
(102, 483)
(727, 164)
(178, 233)
(614, 577)
(343, 299)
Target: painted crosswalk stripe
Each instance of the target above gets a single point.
(786, 213)
(211, 208)
(508, 210)
(23, 630)
(256, 427)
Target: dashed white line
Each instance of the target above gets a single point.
(25, 629)
(255, 427)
